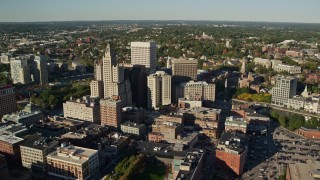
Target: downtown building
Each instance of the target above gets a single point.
(73, 162)
(184, 70)
(8, 100)
(110, 110)
(144, 53)
(231, 152)
(159, 89)
(200, 91)
(109, 79)
(285, 88)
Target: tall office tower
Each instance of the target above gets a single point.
(20, 72)
(139, 85)
(144, 53)
(159, 89)
(8, 101)
(286, 87)
(110, 110)
(184, 70)
(41, 70)
(98, 71)
(113, 79)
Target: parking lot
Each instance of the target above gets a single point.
(269, 155)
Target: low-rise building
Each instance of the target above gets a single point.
(34, 151)
(73, 162)
(232, 151)
(133, 129)
(133, 114)
(86, 109)
(309, 132)
(28, 116)
(188, 103)
(288, 68)
(235, 124)
(9, 146)
(306, 171)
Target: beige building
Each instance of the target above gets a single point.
(96, 88)
(288, 68)
(184, 70)
(144, 53)
(34, 151)
(110, 110)
(41, 68)
(20, 72)
(159, 89)
(133, 128)
(73, 162)
(196, 91)
(286, 87)
(235, 124)
(85, 109)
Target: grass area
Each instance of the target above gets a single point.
(152, 172)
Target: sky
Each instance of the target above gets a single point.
(307, 11)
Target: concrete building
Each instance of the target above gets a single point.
(288, 68)
(41, 70)
(9, 146)
(5, 58)
(133, 114)
(113, 79)
(285, 88)
(197, 91)
(34, 151)
(264, 62)
(184, 70)
(8, 100)
(144, 53)
(235, 124)
(190, 167)
(20, 71)
(86, 109)
(73, 162)
(28, 116)
(110, 111)
(306, 171)
(232, 151)
(96, 88)
(189, 103)
(159, 89)
(133, 129)
(138, 79)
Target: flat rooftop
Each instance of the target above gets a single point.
(199, 110)
(306, 171)
(37, 142)
(10, 139)
(232, 141)
(73, 154)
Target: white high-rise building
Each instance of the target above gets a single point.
(286, 87)
(41, 68)
(144, 53)
(109, 80)
(20, 72)
(159, 89)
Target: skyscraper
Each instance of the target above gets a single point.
(41, 70)
(20, 72)
(144, 53)
(109, 79)
(159, 89)
(286, 87)
(110, 110)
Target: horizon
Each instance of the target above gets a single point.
(285, 11)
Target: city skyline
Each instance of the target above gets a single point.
(248, 10)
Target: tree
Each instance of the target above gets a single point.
(274, 114)
(283, 120)
(312, 123)
(295, 122)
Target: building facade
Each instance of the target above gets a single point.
(285, 88)
(110, 111)
(133, 128)
(73, 162)
(85, 109)
(159, 89)
(144, 53)
(20, 71)
(41, 68)
(8, 100)
(184, 70)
